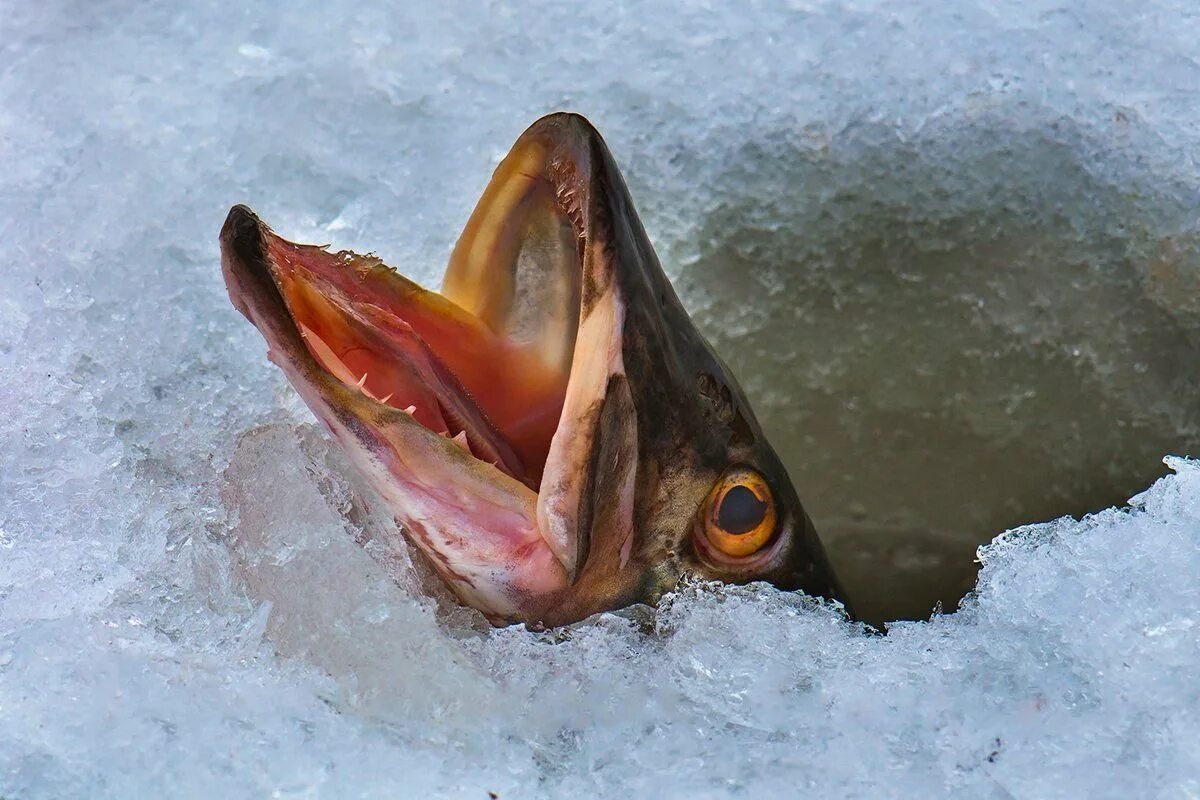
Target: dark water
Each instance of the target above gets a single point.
(943, 346)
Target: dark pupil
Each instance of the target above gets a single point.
(741, 511)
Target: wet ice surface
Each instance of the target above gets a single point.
(184, 608)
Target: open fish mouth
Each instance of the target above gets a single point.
(407, 348)
(508, 419)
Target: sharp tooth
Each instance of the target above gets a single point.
(384, 400)
(460, 439)
(410, 410)
(362, 382)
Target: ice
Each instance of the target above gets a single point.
(952, 251)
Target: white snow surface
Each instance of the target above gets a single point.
(184, 610)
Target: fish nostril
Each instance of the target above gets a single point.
(708, 387)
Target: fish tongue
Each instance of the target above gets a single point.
(382, 357)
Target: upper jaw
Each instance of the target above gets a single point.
(476, 523)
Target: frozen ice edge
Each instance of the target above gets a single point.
(1065, 674)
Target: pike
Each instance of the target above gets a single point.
(550, 430)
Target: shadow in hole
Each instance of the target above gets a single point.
(951, 336)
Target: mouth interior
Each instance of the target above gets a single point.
(492, 375)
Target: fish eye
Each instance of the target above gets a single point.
(739, 515)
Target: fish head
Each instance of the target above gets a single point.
(550, 429)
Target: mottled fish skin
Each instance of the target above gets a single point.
(651, 419)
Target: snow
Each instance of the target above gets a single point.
(184, 609)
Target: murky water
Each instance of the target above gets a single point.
(945, 346)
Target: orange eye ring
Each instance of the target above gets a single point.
(739, 514)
